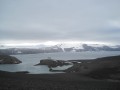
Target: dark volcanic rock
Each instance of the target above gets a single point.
(5, 59)
(52, 63)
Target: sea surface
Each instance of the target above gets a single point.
(29, 60)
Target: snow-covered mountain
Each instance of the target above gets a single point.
(88, 47)
(61, 47)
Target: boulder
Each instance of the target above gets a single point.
(6, 59)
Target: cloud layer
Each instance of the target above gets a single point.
(60, 20)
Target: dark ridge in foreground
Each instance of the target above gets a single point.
(66, 81)
(100, 68)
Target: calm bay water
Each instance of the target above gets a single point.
(29, 60)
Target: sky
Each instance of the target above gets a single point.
(34, 21)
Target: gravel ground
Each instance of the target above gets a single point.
(66, 81)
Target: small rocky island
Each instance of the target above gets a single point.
(6, 59)
(53, 63)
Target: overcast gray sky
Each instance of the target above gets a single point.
(59, 20)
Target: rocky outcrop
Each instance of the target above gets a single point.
(52, 63)
(5, 59)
